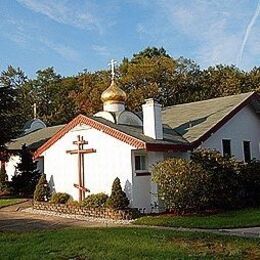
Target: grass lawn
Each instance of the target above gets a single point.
(231, 219)
(124, 243)
(9, 202)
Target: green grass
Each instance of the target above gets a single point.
(9, 202)
(124, 243)
(231, 219)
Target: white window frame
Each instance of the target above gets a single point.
(146, 163)
(250, 149)
(222, 147)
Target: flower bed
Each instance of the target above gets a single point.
(126, 214)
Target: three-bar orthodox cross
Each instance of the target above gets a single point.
(80, 151)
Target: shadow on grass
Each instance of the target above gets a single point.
(28, 224)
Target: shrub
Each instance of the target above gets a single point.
(42, 190)
(95, 200)
(117, 199)
(72, 202)
(250, 181)
(182, 185)
(224, 178)
(60, 198)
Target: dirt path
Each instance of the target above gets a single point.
(13, 218)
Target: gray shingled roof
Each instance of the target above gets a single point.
(35, 139)
(193, 120)
(183, 123)
(170, 136)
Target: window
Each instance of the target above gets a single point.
(140, 163)
(247, 151)
(226, 147)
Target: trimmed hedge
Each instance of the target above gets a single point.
(95, 200)
(60, 198)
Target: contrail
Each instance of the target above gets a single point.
(248, 30)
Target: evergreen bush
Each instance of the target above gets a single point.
(95, 200)
(60, 198)
(42, 190)
(118, 198)
(3, 178)
(27, 177)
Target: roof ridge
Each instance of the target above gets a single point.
(247, 94)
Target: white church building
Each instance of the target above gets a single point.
(87, 154)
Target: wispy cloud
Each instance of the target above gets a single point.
(64, 51)
(101, 50)
(247, 33)
(210, 30)
(27, 36)
(65, 12)
(16, 30)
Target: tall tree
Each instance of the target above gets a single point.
(150, 52)
(91, 86)
(11, 118)
(27, 177)
(46, 88)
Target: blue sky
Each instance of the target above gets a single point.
(73, 35)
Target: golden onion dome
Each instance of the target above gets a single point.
(113, 94)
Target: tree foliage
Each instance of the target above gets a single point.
(151, 72)
(3, 178)
(27, 176)
(11, 116)
(117, 199)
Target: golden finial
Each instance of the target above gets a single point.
(113, 94)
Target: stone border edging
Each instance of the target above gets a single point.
(77, 217)
(105, 213)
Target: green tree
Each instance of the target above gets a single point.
(220, 81)
(11, 116)
(149, 77)
(91, 85)
(42, 190)
(27, 177)
(117, 199)
(150, 52)
(3, 178)
(50, 96)
(251, 80)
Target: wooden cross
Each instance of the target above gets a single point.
(80, 151)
